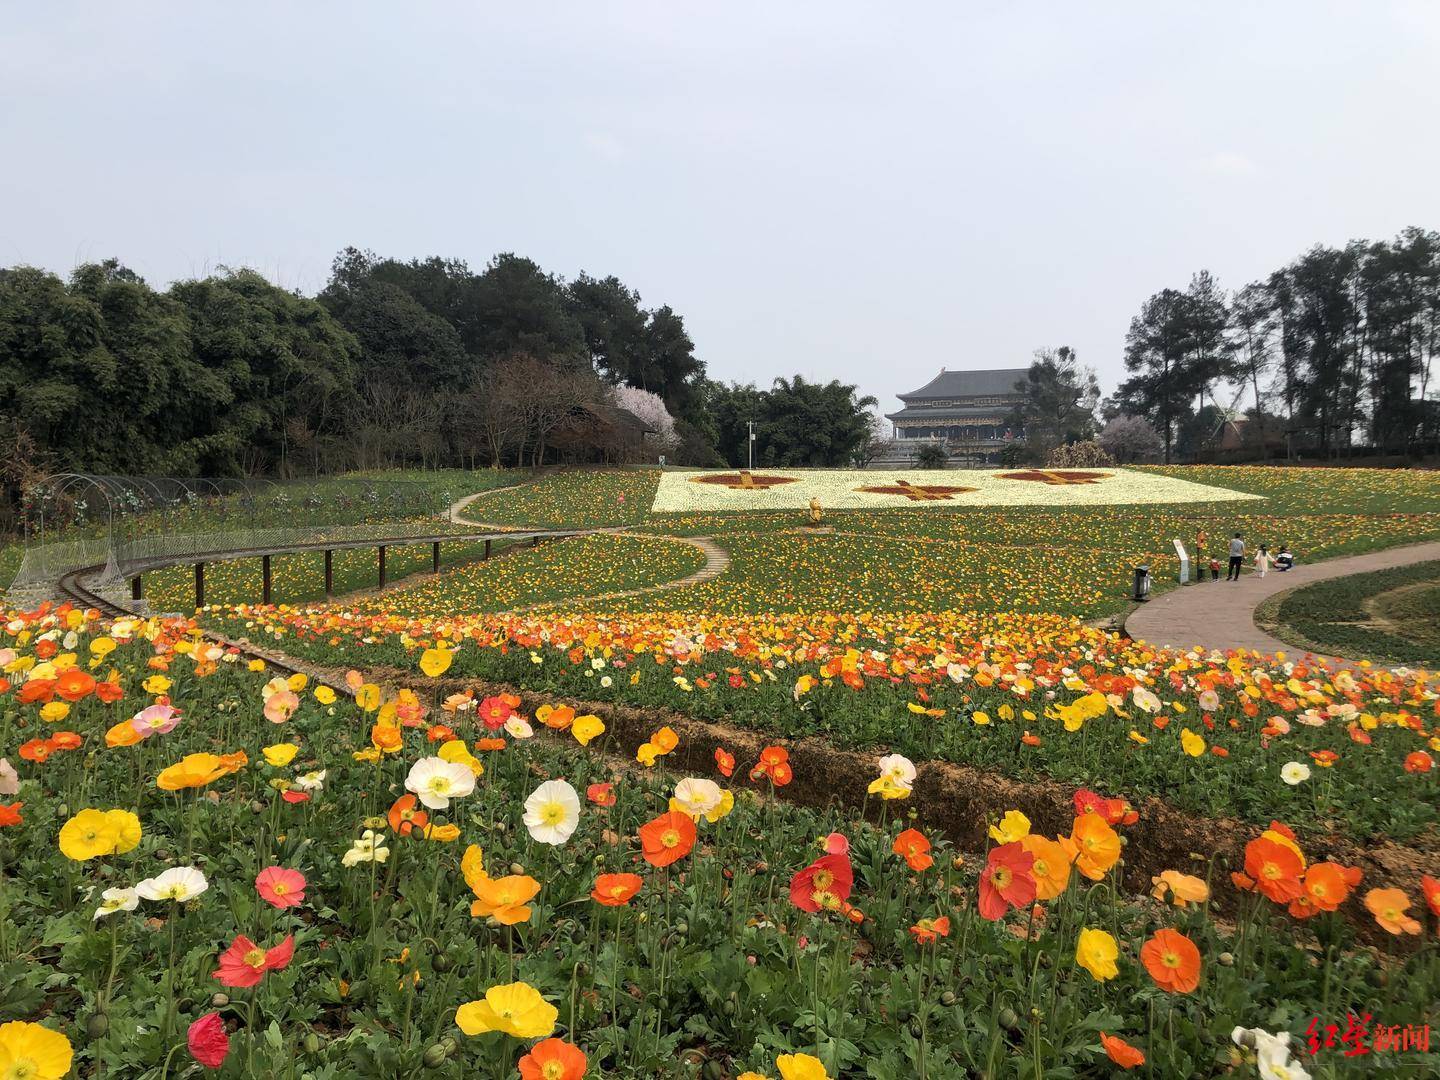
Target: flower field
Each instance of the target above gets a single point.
(215, 868)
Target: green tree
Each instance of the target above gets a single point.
(283, 364)
(1060, 398)
(805, 423)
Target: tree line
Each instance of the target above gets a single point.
(394, 362)
(1335, 352)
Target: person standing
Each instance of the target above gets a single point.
(1262, 561)
(1237, 557)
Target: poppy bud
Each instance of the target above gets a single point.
(434, 1056)
(312, 1043)
(516, 868)
(1008, 1018)
(219, 1001)
(1227, 959)
(442, 962)
(947, 998)
(97, 1025)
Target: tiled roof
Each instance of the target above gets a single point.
(990, 382)
(948, 412)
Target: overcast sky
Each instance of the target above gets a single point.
(868, 192)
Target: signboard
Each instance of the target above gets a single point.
(1184, 562)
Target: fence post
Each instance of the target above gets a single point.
(435, 558)
(381, 551)
(199, 584)
(329, 573)
(265, 579)
(487, 549)
(137, 591)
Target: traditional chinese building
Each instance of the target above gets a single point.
(966, 411)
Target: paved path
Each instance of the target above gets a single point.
(1220, 615)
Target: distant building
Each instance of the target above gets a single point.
(968, 412)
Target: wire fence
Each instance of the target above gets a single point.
(127, 523)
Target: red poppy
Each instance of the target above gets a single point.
(46, 649)
(10, 815)
(1428, 885)
(601, 794)
(403, 816)
(207, 1041)
(244, 963)
(1007, 881)
(667, 839)
(36, 690)
(109, 692)
(291, 795)
(494, 711)
(825, 883)
(724, 761)
(1418, 762)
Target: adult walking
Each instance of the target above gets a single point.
(1262, 561)
(1237, 557)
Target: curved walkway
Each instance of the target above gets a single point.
(1220, 615)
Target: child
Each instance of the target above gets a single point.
(1283, 559)
(1262, 561)
(1214, 568)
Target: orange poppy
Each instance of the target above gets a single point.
(929, 930)
(36, 690)
(774, 764)
(558, 717)
(1326, 886)
(1172, 960)
(1275, 869)
(109, 691)
(46, 649)
(74, 684)
(1390, 907)
(440, 733)
(37, 750)
(1097, 845)
(1051, 868)
(553, 1059)
(667, 839)
(489, 744)
(616, 890)
(66, 740)
(912, 846)
(10, 815)
(724, 761)
(404, 818)
(504, 898)
(1121, 1052)
(1418, 762)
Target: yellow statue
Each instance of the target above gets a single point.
(816, 516)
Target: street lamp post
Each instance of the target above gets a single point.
(751, 444)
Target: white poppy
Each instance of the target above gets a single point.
(179, 883)
(311, 781)
(369, 848)
(9, 778)
(113, 900)
(697, 797)
(552, 812)
(518, 727)
(436, 781)
(1294, 772)
(899, 770)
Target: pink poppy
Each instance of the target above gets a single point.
(244, 963)
(280, 705)
(1007, 881)
(207, 1040)
(292, 796)
(280, 887)
(155, 720)
(837, 844)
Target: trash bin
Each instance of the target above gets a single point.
(1142, 584)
